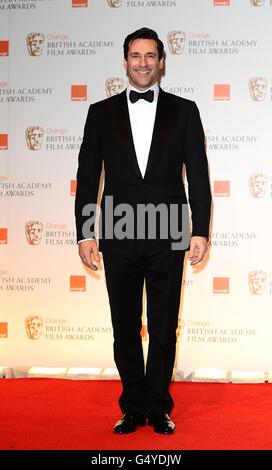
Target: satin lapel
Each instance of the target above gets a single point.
(124, 128)
(163, 126)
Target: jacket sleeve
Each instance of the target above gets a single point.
(197, 175)
(88, 173)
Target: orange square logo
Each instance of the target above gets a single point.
(221, 188)
(3, 236)
(220, 285)
(79, 92)
(4, 48)
(3, 329)
(3, 141)
(221, 3)
(73, 186)
(221, 92)
(77, 283)
(144, 332)
(79, 3)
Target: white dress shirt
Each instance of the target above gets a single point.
(142, 117)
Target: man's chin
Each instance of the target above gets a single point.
(143, 84)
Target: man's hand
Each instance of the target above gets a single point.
(198, 248)
(88, 253)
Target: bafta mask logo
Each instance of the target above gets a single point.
(34, 137)
(115, 3)
(257, 3)
(33, 326)
(258, 88)
(33, 232)
(35, 43)
(114, 86)
(257, 282)
(176, 41)
(258, 184)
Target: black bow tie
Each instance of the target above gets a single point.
(135, 96)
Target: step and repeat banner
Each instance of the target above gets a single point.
(57, 57)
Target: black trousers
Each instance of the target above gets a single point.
(145, 389)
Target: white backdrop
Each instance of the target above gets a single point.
(55, 59)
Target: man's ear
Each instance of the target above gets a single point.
(161, 63)
(125, 63)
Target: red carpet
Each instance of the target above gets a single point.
(63, 414)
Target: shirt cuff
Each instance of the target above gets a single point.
(84, 240)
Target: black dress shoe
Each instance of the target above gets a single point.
(129, 423)
(161, 423)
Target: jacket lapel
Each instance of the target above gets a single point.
(163, 127)
(126, 136)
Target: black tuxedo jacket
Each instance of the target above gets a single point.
(177, 139)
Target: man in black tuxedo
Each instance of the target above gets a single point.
(144, 136)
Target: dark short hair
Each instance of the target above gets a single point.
(143, 33)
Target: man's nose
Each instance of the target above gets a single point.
(143, 61)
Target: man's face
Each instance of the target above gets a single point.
(143, 65)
